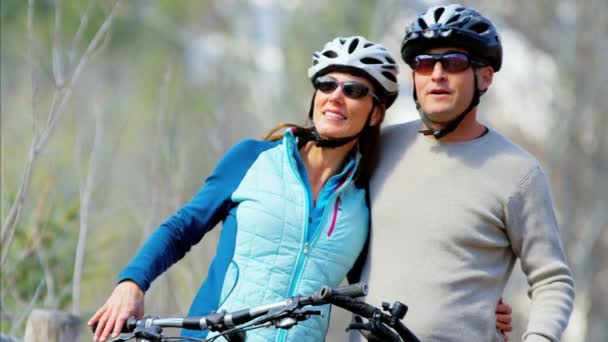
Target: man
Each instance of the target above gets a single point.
(454, 203)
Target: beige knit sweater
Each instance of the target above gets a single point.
(449, 221)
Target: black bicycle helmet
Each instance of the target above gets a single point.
(453, 25)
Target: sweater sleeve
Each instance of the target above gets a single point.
(535, 238)
(174, 238)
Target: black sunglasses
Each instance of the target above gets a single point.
(451, 62)
(350, 89)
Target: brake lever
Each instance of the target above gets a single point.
(287, 319)
(152, 333)
(374, 330)
(307, 313)
(122, 339)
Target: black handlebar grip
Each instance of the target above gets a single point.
(353, 305)
(128, 327)
(353, 291)
(194, 323)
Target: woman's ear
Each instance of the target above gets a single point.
(377, 115)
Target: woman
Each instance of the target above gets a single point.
(293, 208)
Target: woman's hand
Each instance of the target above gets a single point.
(127, 300)
(503, 318)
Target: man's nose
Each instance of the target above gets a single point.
(438, 71)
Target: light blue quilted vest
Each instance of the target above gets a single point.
(272, 259)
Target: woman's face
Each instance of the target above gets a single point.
(336, 115)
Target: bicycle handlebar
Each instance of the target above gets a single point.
(343, 297)
(216, 321)
(222, 320)
(369, 311)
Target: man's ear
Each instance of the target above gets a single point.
(486, 75)
(377, 115)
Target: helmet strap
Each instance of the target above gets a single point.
(450, 126)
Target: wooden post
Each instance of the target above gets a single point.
(52, 326)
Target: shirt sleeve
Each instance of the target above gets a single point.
(174, 238)
(535, 238)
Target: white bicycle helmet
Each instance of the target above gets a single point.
(362, 58)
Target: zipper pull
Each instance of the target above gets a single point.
(306, 247)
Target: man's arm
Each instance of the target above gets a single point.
(535, 238)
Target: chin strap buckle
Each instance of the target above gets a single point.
(437, 133)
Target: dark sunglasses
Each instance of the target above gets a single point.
(350, 89)
(451, 62)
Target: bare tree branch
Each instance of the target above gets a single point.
(41, 255)
(37, 237)
(8, 229)
(102, 46)
(84, 20)
(17, 323)
(13, 290)
(33, 244)
(39, 142)
(57, 56)
(161, 189)
(152, 216)
(86, 192)
(55, 115)
(32, 65)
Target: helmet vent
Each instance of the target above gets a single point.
(389, 75)
(390, 60)
(480, 27)
(370, 60)
(368, 45)
(353, 45)
(342, 40)
(422, 24)
(438, 13)
(453, 19)
(330, 54)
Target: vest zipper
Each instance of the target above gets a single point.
(295, 277)
(304, 251)
(335, 216)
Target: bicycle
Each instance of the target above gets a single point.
(383, 324)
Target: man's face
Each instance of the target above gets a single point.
(443, 94)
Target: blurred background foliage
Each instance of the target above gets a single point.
(172, 84)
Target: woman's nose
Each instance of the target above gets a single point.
(337, 94)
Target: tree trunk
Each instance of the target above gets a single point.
(52, 326)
